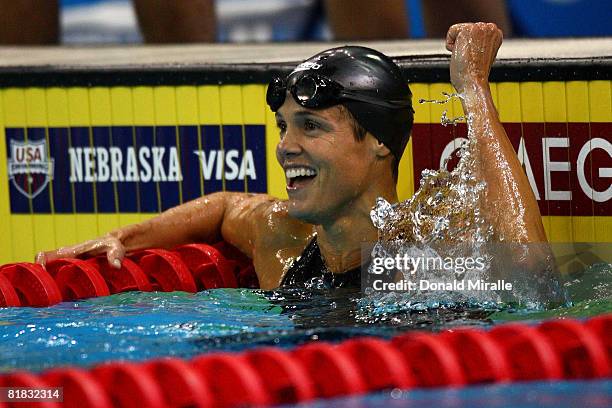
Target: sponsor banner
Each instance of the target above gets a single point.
(120, 145)
(109, 169)
(568, 165)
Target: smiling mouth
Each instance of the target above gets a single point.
(299, 177)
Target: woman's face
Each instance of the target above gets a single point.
(326, 167)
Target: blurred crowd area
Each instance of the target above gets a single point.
(175, 21)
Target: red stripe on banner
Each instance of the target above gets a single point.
(441, 136)
(532, 136)
(421, 137)
(559, 170)
(601, 158)
(569, 165)
(579, 135)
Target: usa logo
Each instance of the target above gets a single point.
(28, 167)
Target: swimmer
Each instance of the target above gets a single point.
(344, 118)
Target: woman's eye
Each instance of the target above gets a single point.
(282, 127)
(310, 125)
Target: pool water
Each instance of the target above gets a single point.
(139, 326)
(578, 394)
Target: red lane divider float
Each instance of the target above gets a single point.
(432, 361)
(209, 268)
(380, 364)
(232, 380)
(32, 284)
(130, 385)
(556, 349)
(580, 349)
(165, 269)
(188, 268)
(247, 278)
(77, 279)
(129, 277)
(183, 386)
(602, 326)
(480, 356)
(290, 382)
(8, 296)
(333, 373)
(529, 353)
(80, 388)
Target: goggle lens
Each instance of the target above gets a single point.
(316, 92)
(305, 91)
(275, 95)
(309, 91)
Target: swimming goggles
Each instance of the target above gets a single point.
(314, 91)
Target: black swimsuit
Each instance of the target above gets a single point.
(311, 266)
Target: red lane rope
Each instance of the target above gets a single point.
(290, 382)
(581, 351)
(555, 349)
(482, 358)
(77, 279)
(80, 386)
(209, 268)
(8, 295)
(380, 365)
(130, 385)
(129, 277)
(602, 326)
(432, 361)
(188, 268)
(32, 284)
(166, 270)
(530, 354)
(333, 372)
(232, 380)
(183, 386)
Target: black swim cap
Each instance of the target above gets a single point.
(371, 87)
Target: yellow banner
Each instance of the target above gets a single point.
(76, 163)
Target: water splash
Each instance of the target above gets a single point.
(442, 219)
(445, 120)
(444, 208)
(449, 97)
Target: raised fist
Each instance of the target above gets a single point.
(474, 47)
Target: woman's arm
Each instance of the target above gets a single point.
(510, 203)
(206, 219)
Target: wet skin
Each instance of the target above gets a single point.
(345, 178)
(510, 204)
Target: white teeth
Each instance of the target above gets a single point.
(299, 172)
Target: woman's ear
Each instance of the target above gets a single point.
(381, 149)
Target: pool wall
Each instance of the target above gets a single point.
(89, 145)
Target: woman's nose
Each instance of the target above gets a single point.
(289, 145)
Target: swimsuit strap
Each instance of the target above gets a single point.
(311, 265)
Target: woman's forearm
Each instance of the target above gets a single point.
(196, 221)
(509, 203)
(199, 220)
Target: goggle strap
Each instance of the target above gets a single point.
(280, 87)
(394, 104)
